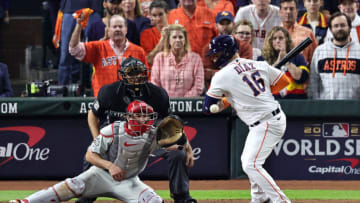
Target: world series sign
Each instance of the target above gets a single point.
(317, 151)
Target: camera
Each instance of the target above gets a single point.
(49, 88)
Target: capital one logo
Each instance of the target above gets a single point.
(342, 166)
(24, 151)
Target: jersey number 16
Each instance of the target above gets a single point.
(257, 80)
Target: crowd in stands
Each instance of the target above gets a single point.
(171, 37)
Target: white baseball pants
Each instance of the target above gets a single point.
(260, 141)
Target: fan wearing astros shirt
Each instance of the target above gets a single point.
(106, 55)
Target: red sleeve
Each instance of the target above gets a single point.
(148, 40)
(93, 50)
(245, 49)
(209, 69)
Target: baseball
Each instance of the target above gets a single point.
(214, 108)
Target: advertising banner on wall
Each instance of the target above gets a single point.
(42, 148)
(317, 150)
(49, 148)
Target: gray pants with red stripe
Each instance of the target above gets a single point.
(97, 182)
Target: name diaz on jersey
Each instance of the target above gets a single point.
(244, 67)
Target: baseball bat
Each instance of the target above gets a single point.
(293, 52)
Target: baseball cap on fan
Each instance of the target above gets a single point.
(224, 15)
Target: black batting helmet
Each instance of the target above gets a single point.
(226, 45)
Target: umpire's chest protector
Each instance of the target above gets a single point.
(131, 152)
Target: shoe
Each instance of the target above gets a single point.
(191, 200)
(268, 200)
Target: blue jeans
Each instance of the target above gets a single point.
(69, 71)
(69, 67)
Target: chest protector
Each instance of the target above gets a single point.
(131, 152)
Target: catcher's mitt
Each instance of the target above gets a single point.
(170, 131)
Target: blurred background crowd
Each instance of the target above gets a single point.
(43, 47)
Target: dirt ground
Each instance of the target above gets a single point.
(242, 184)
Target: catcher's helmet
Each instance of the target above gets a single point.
(226, 45)
(140, 117)
(134, 74)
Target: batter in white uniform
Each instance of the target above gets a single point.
(247, 86)
(118, 155)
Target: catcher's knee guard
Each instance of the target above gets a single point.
(69, 188)
(149, 196)
(62, 191)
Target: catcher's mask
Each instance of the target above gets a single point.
(170, 131)
(221, 49)
(134, 74)
(140, 117)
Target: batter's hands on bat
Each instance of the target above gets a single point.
(116, 172)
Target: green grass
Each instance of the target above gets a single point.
(6, 195)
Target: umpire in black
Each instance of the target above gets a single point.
(111, 105)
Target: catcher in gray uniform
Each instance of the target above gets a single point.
(119, 154)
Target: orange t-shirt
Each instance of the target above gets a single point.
(298, 33)
(200, 27)
(149, 38)
(106, 63)
(222, 5)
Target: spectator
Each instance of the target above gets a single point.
(176, 68)
(5, 85)
(132, 11)
(314, 19)
(199, 23)
(106, 55)
(298, 33)
(224, 25)
(263, 17)
(97, 29)
(277, 44)
(69, 69)
(335, 65)
(4, 11)
(151, 36)
(349, 7)
(217, 5)
(243, 30)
